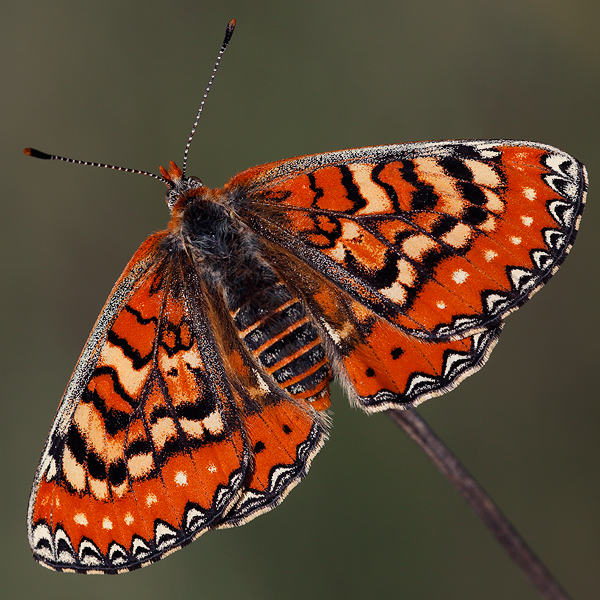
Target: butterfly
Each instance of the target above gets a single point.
(201, 395)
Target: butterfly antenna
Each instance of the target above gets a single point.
(43, 155)
(228, 34)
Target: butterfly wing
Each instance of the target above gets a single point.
(283, 434)
(167, 428)
(442, 239)
(147, 450)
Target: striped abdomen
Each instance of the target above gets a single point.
(280, 335)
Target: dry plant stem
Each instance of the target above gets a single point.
(418, 430)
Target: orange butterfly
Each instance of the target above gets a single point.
(199, 399)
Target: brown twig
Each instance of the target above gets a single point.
(454, 471)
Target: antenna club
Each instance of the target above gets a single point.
(229, 31)
(37, 153)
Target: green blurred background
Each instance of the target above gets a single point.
(120, 82)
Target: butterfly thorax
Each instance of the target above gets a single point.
(200, 222)
(203, 226)
(228, 255)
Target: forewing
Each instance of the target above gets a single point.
(442, 239)
(147, 450)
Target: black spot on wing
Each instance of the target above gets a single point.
(443, 225)
(198, 410)
(473, 193)
(117, 472)
(397, 353)
(158, 412)
(76, 444)
(313, 186)
(389, 189)
(96, 466)
(474, 216)
(139, 446)
(456, 168)
(423, 198)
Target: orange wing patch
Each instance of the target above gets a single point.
(390, 368)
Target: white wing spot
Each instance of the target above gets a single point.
(151, 499)
(529, 193)
(459, 276)
(107, 523)
(441, 304)
(181, 478)
(214, 423)
(489, 153)
(396, 292)
(516, 240)
(527, 221)
(128, 519)
(211, 467)
(490, 255)
(80, 519)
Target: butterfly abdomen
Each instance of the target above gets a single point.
(279, 333)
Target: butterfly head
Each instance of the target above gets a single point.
(179, 185)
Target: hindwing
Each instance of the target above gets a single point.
(379, 364)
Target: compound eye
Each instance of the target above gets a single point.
(171, 198)
(196, 180)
